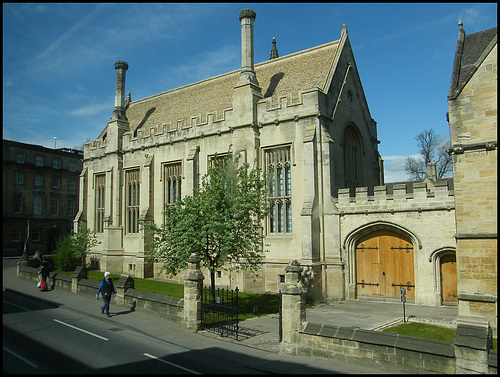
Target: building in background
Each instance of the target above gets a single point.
(473, 106)
(40, 196)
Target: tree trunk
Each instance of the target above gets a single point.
(212, 284)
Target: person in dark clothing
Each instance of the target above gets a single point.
(45, 269)
(106, 288)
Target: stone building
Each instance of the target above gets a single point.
(304, 118)
(472, 104)
(40, 188)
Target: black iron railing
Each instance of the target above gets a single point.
(219, 311)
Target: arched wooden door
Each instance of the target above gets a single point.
(384, 265)
(448, 274)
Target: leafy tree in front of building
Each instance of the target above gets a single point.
(221, 222)
(432, 150)
(72, 249)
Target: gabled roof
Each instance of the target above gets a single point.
(286, 75)
(471, 51)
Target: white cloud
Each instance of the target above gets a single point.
(91, 109)
(68, 34)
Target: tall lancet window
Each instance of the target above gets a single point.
(172, 180)
(352, 159)
(132, 185)
(100, 181)
(278, 167)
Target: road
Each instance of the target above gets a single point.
(39, 337)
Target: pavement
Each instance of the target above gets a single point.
(259, 332)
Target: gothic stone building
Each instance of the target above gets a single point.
(303, 117)
(472, 104)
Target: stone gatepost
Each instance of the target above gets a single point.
(293, 307)
(124, 282)
(193, 284)
(473, 342)
(80, 273)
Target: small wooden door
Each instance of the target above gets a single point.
(448, 272)
(384, 265)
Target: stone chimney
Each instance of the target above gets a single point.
(431, 171)
(247, 91)
(247, 74)
(119, 111)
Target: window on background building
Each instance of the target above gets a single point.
(16, 235)
(38, 180)
(132, 185)
(20, 157)
(278, 167)
(56, 181)
(56, 163)
(19, 178)
(54, 206)
(71, 207)
(72, 166)
(100, 181)
(38, 160)
(35, 235)
(18, 203)
(37, 205)
(71, 184)
(352, 159)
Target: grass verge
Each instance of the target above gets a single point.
(423, 330)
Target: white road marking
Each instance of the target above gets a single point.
(169, 363)
(82, 330)
(17, 306)
(33, 365)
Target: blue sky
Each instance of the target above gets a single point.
(59, 75)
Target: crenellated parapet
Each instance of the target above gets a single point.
(398, 197)
(95, 149)
(169, 132)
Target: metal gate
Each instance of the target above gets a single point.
(219, 314)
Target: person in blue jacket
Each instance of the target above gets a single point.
(106, 288)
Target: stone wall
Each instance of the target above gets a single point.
(470, 352)
(164, 306)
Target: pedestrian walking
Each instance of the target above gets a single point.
(43, 274)
(106, 288)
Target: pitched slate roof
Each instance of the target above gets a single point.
(472, 49)
(286, 75)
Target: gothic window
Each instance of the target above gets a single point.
(278, 167)
(132, 200)
(352, 160)
(100, 181)
(172, 175)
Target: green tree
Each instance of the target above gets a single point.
(72, 249)
(432, 150)
(221, 222)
